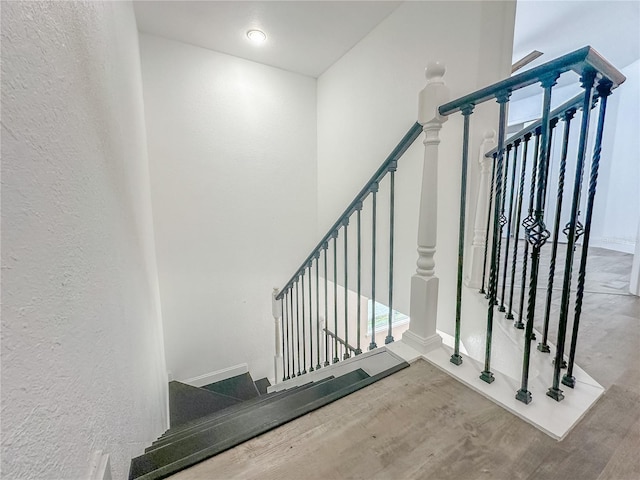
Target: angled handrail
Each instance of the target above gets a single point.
(340, 340)
(397, 152)
(579, 61)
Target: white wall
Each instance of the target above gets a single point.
(368, 100)
(82, 350)
(232, 148)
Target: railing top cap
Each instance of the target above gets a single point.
(579, 61)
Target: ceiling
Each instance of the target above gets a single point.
(305, 37)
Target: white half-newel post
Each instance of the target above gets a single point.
(422, 334)
(473, 278)
(276, 311)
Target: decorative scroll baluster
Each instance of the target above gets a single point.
(310, 324)
(358, 350)
(568, 116)
(604, 90)
(304, 334)
(486, 242)
(588, 78)
(516, 144)
(486, 374)
(456, 358)
(346, 355)
(317, 258)
(503, 222)
(325, 247)
(298, 325)
(392, 169)
(335, 293)
(374, 192)
(537, 235)
(527, 223)
(516, 236)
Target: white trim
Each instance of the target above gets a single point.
(616, 244)
(217, 376)
(100, 468)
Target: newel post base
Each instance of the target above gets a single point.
(422, 335)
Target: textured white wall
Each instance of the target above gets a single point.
(368, 100)
(82, 351)
(232, 151)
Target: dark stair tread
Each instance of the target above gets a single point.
(181, 454)
(241, 386)
(188, 403)
(204, 423)
(262, 384)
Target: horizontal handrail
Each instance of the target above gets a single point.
(575, 102)
(340, 341)
(581, 60)
(397, 152)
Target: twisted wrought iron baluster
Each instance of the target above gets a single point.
(502, 99)
(527, 224)
(486, 239)
(604, 90)
(516, 144)
(516, 236)
(568, 116)
(587, 79)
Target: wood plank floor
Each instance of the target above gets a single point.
(422, 424)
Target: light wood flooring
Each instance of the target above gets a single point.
(422, 424)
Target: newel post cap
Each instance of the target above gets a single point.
(434, 94)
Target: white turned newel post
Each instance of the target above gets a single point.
(473, 278)
(422, 334)
(276, 311)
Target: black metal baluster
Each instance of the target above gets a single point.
(516, 236)
(346, 355)
(568, 115)
(374, 191)
(298, 324)
(516, 144)
(527, 223)
(358, 210)
(587, 79)
(502, 221)
(604, 90)
(537, 235)
(310, 322)
(282, 334)
(317, 258)
(325, 247)
(486, 235)
(335, 296)
(304, 333)
(393, 166)
(502, 100)
(456, 358)
(285, 305)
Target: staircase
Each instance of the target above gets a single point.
(209, 420)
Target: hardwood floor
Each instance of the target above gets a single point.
(422, 424)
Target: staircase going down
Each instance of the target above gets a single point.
(209, 420)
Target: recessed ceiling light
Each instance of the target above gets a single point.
(256, 36)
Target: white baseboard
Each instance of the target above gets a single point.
(100, 468)
(217, 376)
